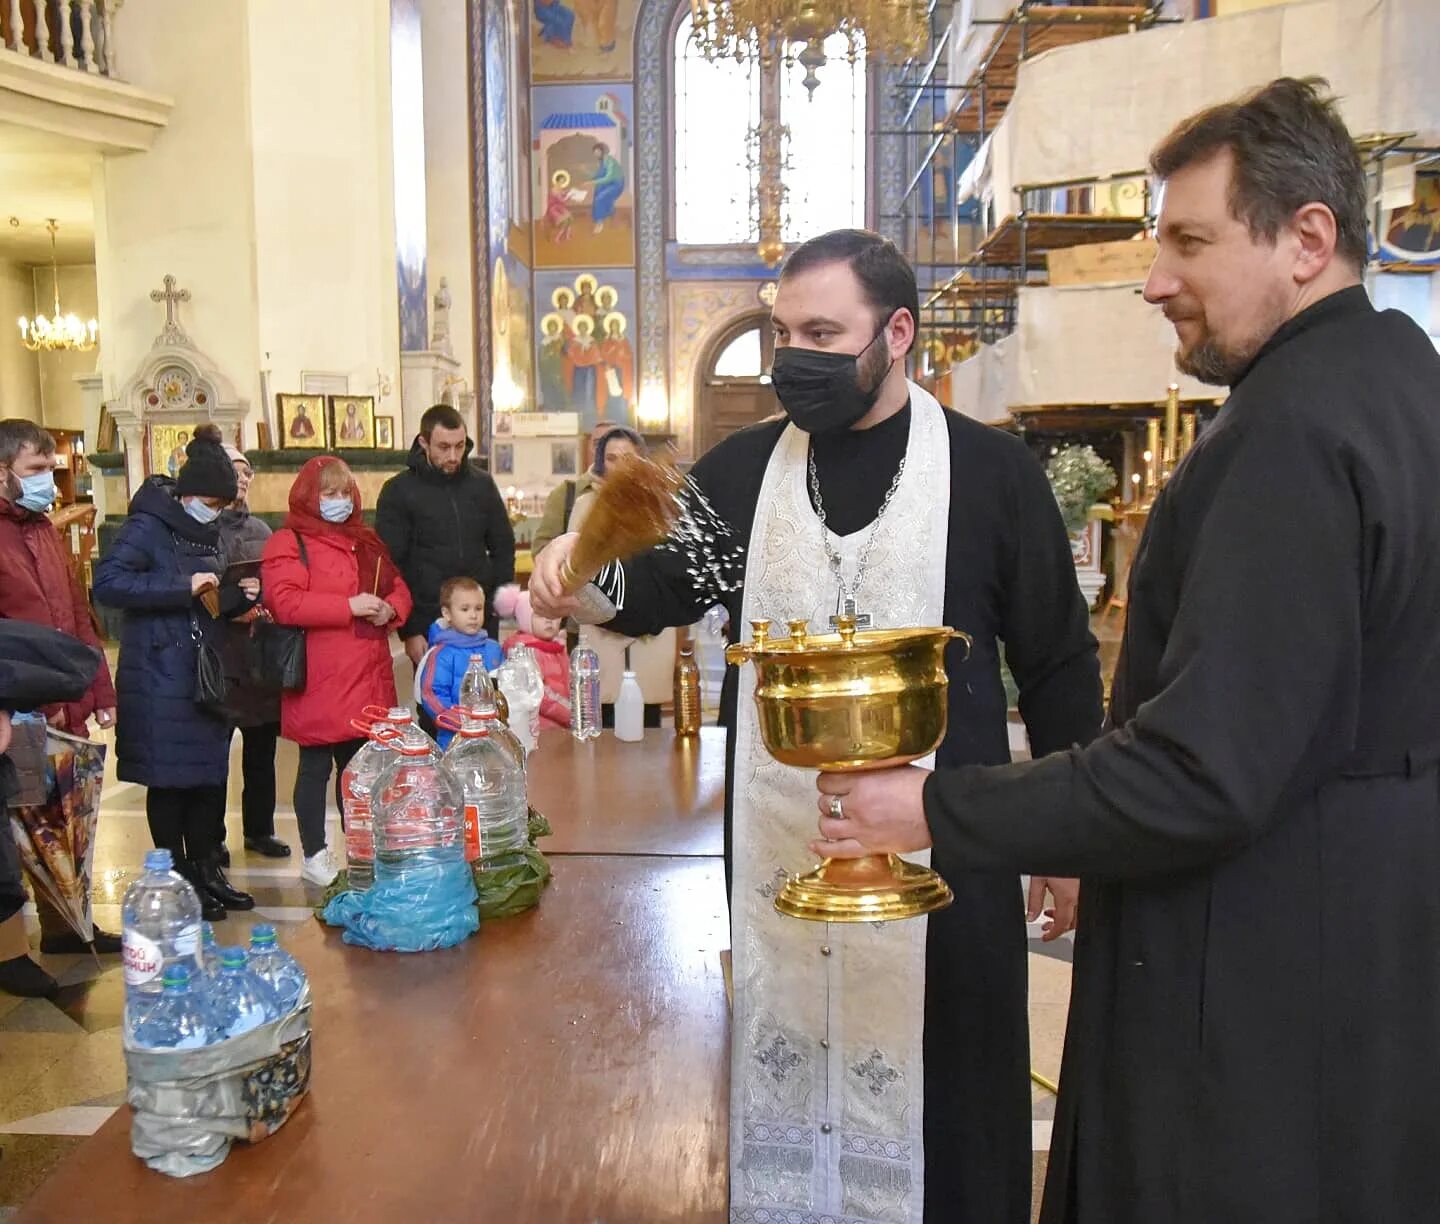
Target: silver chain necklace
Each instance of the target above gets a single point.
(845, 600)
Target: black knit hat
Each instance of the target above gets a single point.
(208, 471)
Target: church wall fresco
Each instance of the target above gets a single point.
(584, 345)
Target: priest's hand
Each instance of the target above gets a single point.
(547, 590)
(1065, 903)
(878, 813)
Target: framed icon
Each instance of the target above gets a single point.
(302, 421)
(384, 433)
(352, 422)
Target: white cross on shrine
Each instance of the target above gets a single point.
(171, 296)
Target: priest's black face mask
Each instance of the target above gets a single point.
(825, 392)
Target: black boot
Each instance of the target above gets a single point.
(269, 845)
(213, 876)
(224, 855)
(211, 908)
(22, 976)
(60, 943)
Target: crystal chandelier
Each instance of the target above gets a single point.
(769, 159)
(61, 332)
(796, 30)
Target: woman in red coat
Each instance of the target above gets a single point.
(329, 574)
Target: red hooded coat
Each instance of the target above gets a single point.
(38, 586)
(347, 661)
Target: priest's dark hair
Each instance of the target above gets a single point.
(440, 416)
(1290, 148)
(884, 274)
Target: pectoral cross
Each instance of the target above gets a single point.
(847, 607)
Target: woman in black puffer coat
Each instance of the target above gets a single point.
(166, 553)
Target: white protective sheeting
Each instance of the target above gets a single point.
(1086, 344)
(1100, 107)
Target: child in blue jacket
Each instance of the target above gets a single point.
(455, 638)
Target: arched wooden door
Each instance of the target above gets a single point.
(734, 384)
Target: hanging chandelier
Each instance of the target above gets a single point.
(60, 332)
(890, 31)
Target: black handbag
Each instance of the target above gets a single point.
(275, 654)
(212, 690)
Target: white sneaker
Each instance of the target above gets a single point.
(320, 868)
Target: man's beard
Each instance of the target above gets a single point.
(873, 367)
(1212, 363)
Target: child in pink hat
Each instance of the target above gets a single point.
(542, 635)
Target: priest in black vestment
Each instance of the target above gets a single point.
(1256, 999)
(869, 491)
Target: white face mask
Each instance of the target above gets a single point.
(199, 511)
(335, 509)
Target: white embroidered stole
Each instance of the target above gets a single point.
(827, 1080)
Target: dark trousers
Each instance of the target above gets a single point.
(12, 886)
(186, 820)
(310, 780)
(257, 769)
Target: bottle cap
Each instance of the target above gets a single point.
(262, 935)
(158, 860)
(398, 714)
(232, 958)
(176, 976)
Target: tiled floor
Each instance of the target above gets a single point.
(61, 1069)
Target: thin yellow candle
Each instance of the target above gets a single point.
(1152, 457)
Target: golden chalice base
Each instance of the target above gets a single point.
(876, 888)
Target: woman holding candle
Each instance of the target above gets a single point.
(328, 573)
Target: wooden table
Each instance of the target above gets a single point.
(570, 1064)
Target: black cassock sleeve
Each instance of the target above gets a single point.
(1255, 694)
(1044, 621)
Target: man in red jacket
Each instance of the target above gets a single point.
(40, 587)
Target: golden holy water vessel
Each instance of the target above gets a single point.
(850, 701)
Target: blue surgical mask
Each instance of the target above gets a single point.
(335, 509)
(37, 492)
(199, 511)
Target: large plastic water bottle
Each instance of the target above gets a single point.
(357, 783)
(275, 967)
(419, 810)
(584, 692)
(239, 1000)
(160, 919)
(178, 1018)
(492, 786)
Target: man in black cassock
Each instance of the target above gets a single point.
(1256, 998)
(869, 490)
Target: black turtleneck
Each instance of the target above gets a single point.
(855, 468)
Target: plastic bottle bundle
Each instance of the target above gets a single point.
(275, 967)
(357, 782)
(584, 691)
(520, 679)
(492, 786)
(239, 1000)
(178, 1018)
(160, 919)
(423, 896)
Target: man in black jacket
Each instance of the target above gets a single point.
(444, 518)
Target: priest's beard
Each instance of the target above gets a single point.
(872, 368)
(1221, 363)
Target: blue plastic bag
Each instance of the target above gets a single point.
(417, 906)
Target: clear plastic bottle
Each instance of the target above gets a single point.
(275, 967)
(584, 691)
(630, 710)
(523, 696)
(239, 1000)
(357, 782)
(176, 1019)
(492, 786)
(209, 951)
(687, 691)
(475, 683)
(487, 710)
(419, 811)
(160, 919)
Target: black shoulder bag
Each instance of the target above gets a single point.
(275, 654)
